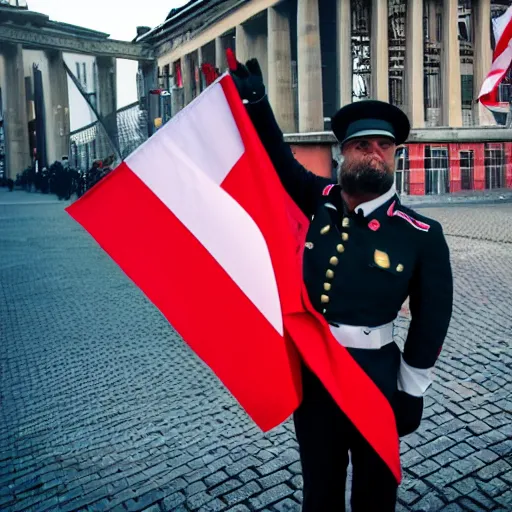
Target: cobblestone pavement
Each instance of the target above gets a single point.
(462, 198)
(103, 407)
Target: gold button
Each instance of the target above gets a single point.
(324, 299)
(340, 248)
(346, 222)
(329, 274)
(344, 236)
(399, 268)
(325, 229)
(327, 286)
(333, 261)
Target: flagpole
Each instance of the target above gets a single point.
(99, 117)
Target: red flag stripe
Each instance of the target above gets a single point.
(502, 59)
(502, 32)
(499, 69)
(194, 293)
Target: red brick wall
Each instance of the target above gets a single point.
(455, 173)
(508, 160)
(416, 169)
(479, 171)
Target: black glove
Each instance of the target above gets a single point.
(249, 80)
(408, 411)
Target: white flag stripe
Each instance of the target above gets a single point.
(181, 178)
(212, 147)
(502, 58)
(500, 23)
(502, 62)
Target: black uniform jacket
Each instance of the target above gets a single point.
(359, 269)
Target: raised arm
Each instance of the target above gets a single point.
(303, 186)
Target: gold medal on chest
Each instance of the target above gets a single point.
(381, 259)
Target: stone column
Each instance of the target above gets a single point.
(344, 29)
(309, 67)
(279, 85)
(482, 58)
(200, 84)
(249, 43)
(414, 94)
(107, 103)
(451, 101)
(259, 50)
(220, 54)
(59, 107)
(15, 112)
(149, 81)
(242, 43)
(186, 73)
(379, 56)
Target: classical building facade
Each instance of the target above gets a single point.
(39, 105)
(428, 57)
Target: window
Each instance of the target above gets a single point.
(84, 75)
(467, 90)
(494, 166)
(467, 168)
(402, 174)
(505, 88)
(436, 170)
(167, 73)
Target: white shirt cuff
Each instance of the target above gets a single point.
(414, 381)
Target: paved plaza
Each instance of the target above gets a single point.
(104, 407)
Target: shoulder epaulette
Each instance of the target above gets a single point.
(415, 223)
(326, 191)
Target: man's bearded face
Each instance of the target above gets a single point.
(368, 166)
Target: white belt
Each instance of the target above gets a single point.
(353, 336)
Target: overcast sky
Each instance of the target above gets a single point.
(115, 17)
(119, 18)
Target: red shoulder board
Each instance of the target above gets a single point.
(327, 190)
(422, 226)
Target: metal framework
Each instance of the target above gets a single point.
(361, 32)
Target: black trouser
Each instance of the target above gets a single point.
(325, 437)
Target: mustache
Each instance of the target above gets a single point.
(368, 161)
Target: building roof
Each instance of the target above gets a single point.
(21, 16)
(181, 16)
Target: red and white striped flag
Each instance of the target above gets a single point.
(198, 219)
(501, 61)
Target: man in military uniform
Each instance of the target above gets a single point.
(365, 254)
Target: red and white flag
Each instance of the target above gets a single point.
(501, 62)
(198, 219)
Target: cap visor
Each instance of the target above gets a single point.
(369, 133)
